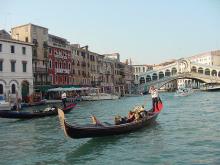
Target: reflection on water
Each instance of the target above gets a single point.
(186, 132)
(93, 146)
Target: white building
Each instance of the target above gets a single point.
(211, 58)
(16, 76)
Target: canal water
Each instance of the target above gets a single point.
(187, 132)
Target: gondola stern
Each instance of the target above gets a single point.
(61, 116)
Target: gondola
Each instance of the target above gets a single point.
(34, 114)
(107, 129)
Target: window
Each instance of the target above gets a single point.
(1, 89)
(0, 47)
(34, 52)
(24, 50)
(50, 50)
(12, 49)
(56, 79)
(13, 66)
(50, 64)
(13, 89)
(26, 39)
(24, 65)
(1, 65)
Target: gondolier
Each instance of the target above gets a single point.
(155, 97)
(63, 97)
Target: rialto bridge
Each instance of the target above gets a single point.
(181, 69)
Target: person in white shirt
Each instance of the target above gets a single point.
(155, 97)
(63, 97)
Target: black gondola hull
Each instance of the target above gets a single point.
(34, 114)
(99, 131)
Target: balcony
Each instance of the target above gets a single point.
(65, 71)
(106, 84)
(39, 70)
(42, 83)
(96, 83)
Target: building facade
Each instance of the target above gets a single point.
(16, 76)
(60, 61)
(211, 58)
(38, 36)
(81, 65)
(56, 62)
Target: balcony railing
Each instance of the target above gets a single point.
(96, 83)
(42, 83)
(106, 84)
(66, 71)
(39, 70)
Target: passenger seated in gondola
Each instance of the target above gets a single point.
(95, 121)
(142, 112)
(137, 116)
(120, 120)
(131, 116)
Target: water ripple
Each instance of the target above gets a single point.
(186, 132)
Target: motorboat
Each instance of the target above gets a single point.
(211, 87)
(183, 92)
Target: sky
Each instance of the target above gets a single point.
(145, 31)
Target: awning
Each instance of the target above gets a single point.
(43, 88)
(60, 89)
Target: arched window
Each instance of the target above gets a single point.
(174, 71)
(13, 88)
(1, 89)
(207, 71)
(167, 72)
(214, 73)
(148, 78)
(161, 75)
(200, 70)
(142, 81)
(154, 77)
(193, 69)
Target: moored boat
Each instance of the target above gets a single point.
(107, 129)
(211, 87)
(34, 114)
(183, 92)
